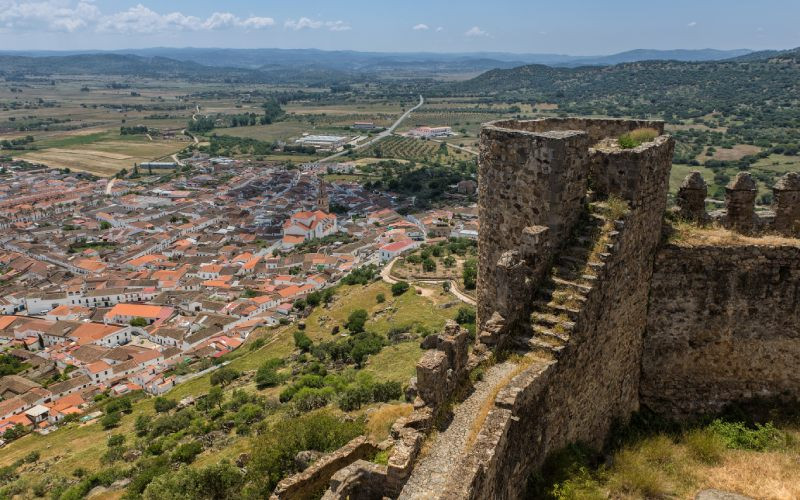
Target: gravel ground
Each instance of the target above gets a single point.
(432, 471)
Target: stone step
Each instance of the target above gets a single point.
(549, 335)
(558, 309)
(564, 295)
(551, 320)
(537, 345)
(574, 285)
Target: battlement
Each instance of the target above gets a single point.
(740, 196)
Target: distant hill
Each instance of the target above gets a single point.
(670, 89)
(17, 66)
(378, 63)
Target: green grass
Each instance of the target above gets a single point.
(77, 140)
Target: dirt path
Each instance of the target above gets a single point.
(449, 448)
(386, 275)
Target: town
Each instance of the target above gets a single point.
(109, 286)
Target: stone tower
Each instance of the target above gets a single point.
(322, 197)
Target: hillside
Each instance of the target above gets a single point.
(759, 96)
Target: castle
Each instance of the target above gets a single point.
(612, 314)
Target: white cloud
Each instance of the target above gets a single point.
(421, 27)
(48, 15)
(68, 15)
(476, 31)
(692, 24)
(439, 29)
(338, 26)
(302, 23)
(306, 23)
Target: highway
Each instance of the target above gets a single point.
(389, 131)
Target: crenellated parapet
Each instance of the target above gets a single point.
(786, 201)
(740, 202)
(691, 198)
(740, 212)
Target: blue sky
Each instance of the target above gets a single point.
(533, 26)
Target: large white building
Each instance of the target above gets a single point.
(329, 142)
(428, 132)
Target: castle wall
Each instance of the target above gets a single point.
(722, 326)
(526, 179)
(594, 381)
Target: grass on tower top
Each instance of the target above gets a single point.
(637, 137)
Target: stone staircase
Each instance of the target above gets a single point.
(560, 299)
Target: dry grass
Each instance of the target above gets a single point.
(691, 235)
(735, 153)
(381, 419)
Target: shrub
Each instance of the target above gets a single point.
(380, 298)
(224, 376)
(163, 405)
(470, 274)
(387, 391)
(222, 480)
(110, 420)
(187, 452)
(115, 440)
(119, 405)
(311, 398)
(302, 341)
(274, 450)
(400, 288)
(267, 374)
(760, 438)
(32, 457)
(465, 315)
(637, 137)
(356, 321)
(139, 322)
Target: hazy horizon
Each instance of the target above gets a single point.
(569, 27)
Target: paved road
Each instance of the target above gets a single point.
(386, 133)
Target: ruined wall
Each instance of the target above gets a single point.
(534, 176)
(527, 179)
(594, 380)
(722, 326)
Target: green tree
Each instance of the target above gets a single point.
(470, 274)
(400, 288)
(138, 322)
(302, 341)
(162, 404)
(224, 376)
(356, 321)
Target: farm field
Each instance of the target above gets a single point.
(102, 153)
(407, 148)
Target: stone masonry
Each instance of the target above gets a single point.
(574, 274)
